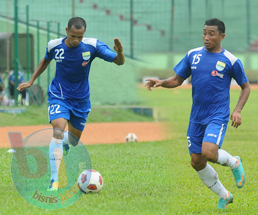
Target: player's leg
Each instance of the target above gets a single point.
(58, 116)
(210, 178)
(11, 91)
(213, 140)
(76, 125)
(23, 93)
(205, 171)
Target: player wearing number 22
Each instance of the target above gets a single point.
(69, 93)
(211, 68)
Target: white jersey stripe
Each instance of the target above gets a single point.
(54, 43)
(220, 133)
(231, 57)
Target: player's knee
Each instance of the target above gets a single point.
(209, 156)
(58, 133)
(198, 164)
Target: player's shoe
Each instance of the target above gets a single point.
(239, 173)
(53, 185)
(66, 149)
(223, 202)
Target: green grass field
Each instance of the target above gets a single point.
(156, 177)
(39, 116)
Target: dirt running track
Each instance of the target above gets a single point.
(98, 133)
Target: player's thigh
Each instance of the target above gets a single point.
(58, 116)
(210, 151)
(78, 120)
(76, 125)
(74, 134)
(195, 134)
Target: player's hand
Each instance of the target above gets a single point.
(118, 45)
(23, 86)
(236, 119)
(152, 83)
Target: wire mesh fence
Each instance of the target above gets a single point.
(143, 26)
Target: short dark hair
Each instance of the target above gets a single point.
(77, 22)
(219, 23)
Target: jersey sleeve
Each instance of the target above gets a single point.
(183, 68)
(104, 52)
(238, 73)
(48, 55)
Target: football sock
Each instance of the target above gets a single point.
(210, 178)
(66, 138)
(55, 156)
(225, 159)
(74, 140)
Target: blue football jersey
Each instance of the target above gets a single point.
(211, 75)
(71, 80)
(20, 76)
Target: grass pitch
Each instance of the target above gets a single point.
(156, 177)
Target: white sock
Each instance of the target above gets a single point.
(210, 178)
(55, 156)
(225, 159)
(66, 138)
(74, 140)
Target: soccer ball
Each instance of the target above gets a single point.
(90, 181)
(131, 137)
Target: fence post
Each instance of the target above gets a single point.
(16, 51)
(131, 28)
(38, 59)
(28, 43)
(48, 38)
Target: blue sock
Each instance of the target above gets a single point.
(55, 156)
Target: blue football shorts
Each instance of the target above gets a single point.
(70, 111)
(214, 132)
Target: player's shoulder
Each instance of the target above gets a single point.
(53, 43)
(232, 58)
(90, 41)
(195, 50)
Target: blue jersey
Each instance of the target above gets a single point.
(211, 78)
(71, 80)
(20, 77)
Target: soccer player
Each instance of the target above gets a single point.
(69, 93)
(212, 68)
(12, 83)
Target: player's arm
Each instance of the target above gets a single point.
(40, 69)
(171, 82)
(236, 114)
(120, 58)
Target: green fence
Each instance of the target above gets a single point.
(145, 27)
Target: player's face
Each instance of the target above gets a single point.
(212, 38)
(74, 36)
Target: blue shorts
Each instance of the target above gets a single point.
(214, 132)
(75, 111)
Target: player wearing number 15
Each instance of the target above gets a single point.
(69, 93)
(211, 68)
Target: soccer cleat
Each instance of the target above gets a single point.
(223, 202)
(53, 185)
(66, 149)
(239, 173)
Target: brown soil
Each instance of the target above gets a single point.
(99, 133)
